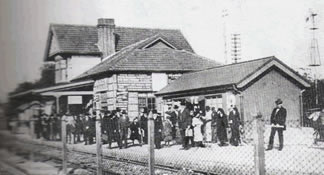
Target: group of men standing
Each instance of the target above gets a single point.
(185, 124)
(117, 127)
(203, 126)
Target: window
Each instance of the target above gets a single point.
(141, 102)
(214, 101)
(151, 103)
(146, 102)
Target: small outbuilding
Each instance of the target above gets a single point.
(251, 86)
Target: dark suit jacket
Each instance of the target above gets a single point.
(173, 118)
(184, 119)
(279, 117)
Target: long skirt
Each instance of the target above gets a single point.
(198, 136)
(208, 132)
(222, 134)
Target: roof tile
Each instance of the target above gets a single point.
(83, 38)
(135, 58)
(217, 76)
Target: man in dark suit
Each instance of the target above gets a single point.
(278, 124)
(184, 115)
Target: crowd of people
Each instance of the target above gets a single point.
(185, 124)
(202, 127)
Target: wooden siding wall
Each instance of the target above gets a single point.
(123, 90)
(107, 87)
(261, 96)
(132, 83)
(112, 92)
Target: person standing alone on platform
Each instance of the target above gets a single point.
(278, 124)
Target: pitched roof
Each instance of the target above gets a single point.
(137, 57)
(239, 74)
(82, 39)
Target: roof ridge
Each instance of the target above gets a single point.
(150, 28)
(247, 61)
(128, 27)
(225, 65)
(75, 25)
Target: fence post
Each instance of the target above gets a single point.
(32, 134)
(259, 154)
(151, 143)
(32, 127)
(98, 143)
(64, 161)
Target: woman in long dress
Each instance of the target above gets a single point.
(221, 127)
(197, 124)
(208, 125)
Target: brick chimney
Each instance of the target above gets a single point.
(106, 38)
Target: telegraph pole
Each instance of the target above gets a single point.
(315, 60)
(224, 15)
(236, 47)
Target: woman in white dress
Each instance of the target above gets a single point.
(197, 123)
(208, 125)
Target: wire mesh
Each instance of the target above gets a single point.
(303, 149)
(302, 153)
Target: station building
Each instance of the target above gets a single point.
(252, 86)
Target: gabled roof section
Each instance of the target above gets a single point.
(238, 74)
(82, 39)
(157, 41)
(136, 57)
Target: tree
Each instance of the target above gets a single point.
(47, 76)
(47, 79)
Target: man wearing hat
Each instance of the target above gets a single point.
(184, 115)
(158, 127)
(278, 124)
(104, 125)
(123, 129)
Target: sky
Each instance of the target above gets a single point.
(267, 28)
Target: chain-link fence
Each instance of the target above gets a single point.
(302, 153)
(303, 148)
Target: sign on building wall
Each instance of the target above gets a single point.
(74, 100)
